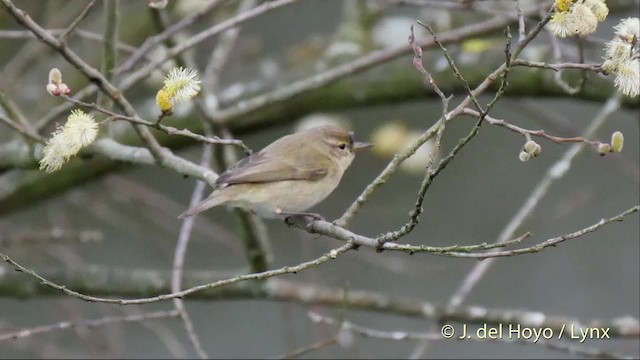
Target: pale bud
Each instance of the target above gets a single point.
(55, 76)
(530, 147)
(524, 156)
(55, 86)
(603, 149)
(617, 141)
(537, 150)
(64, 89)
(53, 89)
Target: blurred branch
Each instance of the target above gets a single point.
(25, 34)
(500, 72)
(21, 129)
(110, 38)
(345, 95)
(323, 227)
(129, 283)
(307, 349)
(554, 173)
(596, 68)
(195, 39)
(255, 237)
(278, 106)
(12, 111)
(431, 172)
(355, 66)
(402, 335)
(254, 233)
(48, 237)
(15, 119)
(179, 259)
(256, 276)
(338, 96)
(155, 40)
(169, 130)
(71, 28)
(94, 323)
(163, 157)
(357, 92)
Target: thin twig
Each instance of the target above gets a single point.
(178, 260)
(374, 333)
(554, 173)
(403, 335)
(538, 133)
(13, 112)
(169, 130)
(352, 67)
(201, 36)
(20, 129)
(384, 175)
(553, 241)
(110, 38)
(355, 66)
(153, 41)
(391, 167)
(257, 276)
(453, 67)
(432, 173)
(557, 66)
(557, 76)
(65, 34)
(63, 325)
(340, 233)
(522, 31)
(253, 232)
(220, 55)
(26, 34)
(424, 186)
(468, 251)
(429, 173)
(307, 349)
(165, 158)
(54, 235)
(142, 282)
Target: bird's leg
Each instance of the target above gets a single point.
(304, 218)
(314, 216)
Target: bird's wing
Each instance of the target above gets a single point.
(260, 168)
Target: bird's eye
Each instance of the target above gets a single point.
(342, 146)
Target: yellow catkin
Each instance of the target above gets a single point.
(163, 99)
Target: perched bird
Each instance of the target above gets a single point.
(287, 177)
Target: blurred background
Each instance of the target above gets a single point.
(111, 229)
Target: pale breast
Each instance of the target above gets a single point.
(267, 199)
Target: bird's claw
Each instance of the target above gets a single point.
(306, 219)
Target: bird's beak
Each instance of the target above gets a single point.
(361, 145)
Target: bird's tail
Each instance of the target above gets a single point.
(213, 200)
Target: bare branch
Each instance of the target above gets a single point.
(178, 260)
(554, 173)
(65, 34)
(257, 276)
(107, 320)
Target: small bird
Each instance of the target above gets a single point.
(287, 177)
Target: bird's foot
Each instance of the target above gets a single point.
(302, 218)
